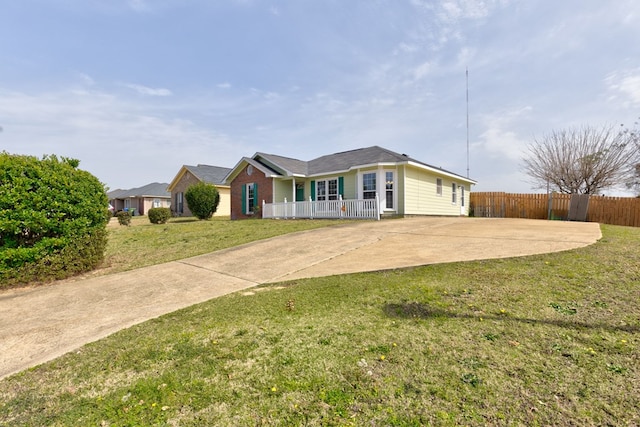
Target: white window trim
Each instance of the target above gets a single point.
(454, 193)
(394, 190)
(326, 180)
(381, 187)
(250, 209)
(439, 187)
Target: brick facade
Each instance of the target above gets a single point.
(265, 192)
(186, 181)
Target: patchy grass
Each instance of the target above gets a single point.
(143, 244)
(541, 340)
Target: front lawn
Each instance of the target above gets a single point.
(540, 340)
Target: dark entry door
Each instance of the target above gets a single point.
(299, 192)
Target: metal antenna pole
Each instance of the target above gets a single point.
(467, 74)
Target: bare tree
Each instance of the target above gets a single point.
(582, 160)
(633, 177)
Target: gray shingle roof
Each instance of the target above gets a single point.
(347, 159)
(209, 174)
(339, 161)
(155, 189)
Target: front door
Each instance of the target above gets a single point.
(300, 192)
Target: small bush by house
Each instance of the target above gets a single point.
(159, 215)
(53, 219)
(202, 199)
(124, 217)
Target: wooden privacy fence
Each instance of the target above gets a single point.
(607, 210)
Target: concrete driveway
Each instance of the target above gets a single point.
(39, 324)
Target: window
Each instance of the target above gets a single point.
(127, 204)
(251, 198)
(454, 187)
(157, 203)
(462, 196)
(389, 189)
(179, 203)
(369, 185)
(439, 186)
(327, 189)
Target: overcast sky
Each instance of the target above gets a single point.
(134, 89)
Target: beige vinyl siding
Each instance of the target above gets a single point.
(421, 197)
(283, 188)
(350, 185)
(400, 184)
(224, 207)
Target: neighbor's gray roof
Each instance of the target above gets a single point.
(155, 189)
(209, 174)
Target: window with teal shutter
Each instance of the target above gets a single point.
(244, 199)
(341, 186)
(251, 198)
(313, 190)
(256, 200)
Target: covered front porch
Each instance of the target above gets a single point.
(323, 209)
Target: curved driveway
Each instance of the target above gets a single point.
(42, 323)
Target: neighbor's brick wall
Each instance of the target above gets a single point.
(187, 180)
(265, 192)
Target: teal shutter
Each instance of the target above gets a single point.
(313, 190)
(256, 200)
(341, 186)
(244, 199)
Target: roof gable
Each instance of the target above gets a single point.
(209, 174)
(205, 173)
(285, 165)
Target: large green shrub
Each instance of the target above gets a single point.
(202, 199)
(159, 215)
(53, 219)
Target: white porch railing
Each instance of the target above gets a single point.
(337, 209)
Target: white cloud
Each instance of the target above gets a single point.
(500, 136)
(626, 85)
(225, 85)
(422, 71)
(139, 5)
(144, 90)
(122, 142)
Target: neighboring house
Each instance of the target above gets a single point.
(189, 175)
(140, 200)
(399, 184)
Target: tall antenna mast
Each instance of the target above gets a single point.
(467, 74)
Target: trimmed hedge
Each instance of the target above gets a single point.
(202, 199)
(159, 215)
(53, 219)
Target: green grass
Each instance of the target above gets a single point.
(143, 244)
(541, 340)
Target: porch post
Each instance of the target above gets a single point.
(377, 207)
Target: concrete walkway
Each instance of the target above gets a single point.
(39, 324)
